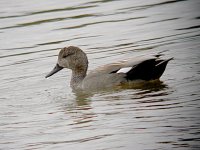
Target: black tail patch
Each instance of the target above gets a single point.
(148, 70)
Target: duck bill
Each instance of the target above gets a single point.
(55, 70)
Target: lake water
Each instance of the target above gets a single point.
(39, 113)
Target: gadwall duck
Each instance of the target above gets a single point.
(139, 68)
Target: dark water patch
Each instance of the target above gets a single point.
(34, 23)
(164, 37)
(128, 49)
(27, 53)
(100, 22)
(114, 47)
(48, 21)
(170, 39)
(189, 28)
(108, 48)
(83, 16)
(18, 48)
(163, 107)
(38, 22)
(190, 37)
(141, 7)
(100, 1)
(51, 43)
(166, 2)
(61, 41)
(197, 18)
(50, 11)
(79, 140)
(29, 60)
(189, 139)
(164, 20)
(148, 47)
(13, 16)
(62, 9)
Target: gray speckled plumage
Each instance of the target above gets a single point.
(138, 68)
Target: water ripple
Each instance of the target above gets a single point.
(35, 111)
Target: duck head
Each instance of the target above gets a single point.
(72, 58)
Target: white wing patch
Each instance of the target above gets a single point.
(124, 70)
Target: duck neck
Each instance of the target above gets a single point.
(78, 74)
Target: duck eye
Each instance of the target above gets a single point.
(65, 56)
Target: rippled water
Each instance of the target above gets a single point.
(39, 113)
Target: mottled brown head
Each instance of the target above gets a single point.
(72, 58)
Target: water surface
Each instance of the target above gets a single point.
(39, 113)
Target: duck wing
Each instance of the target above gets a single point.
(148, 70)
(143, 68)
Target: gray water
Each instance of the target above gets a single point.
(39, 113)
